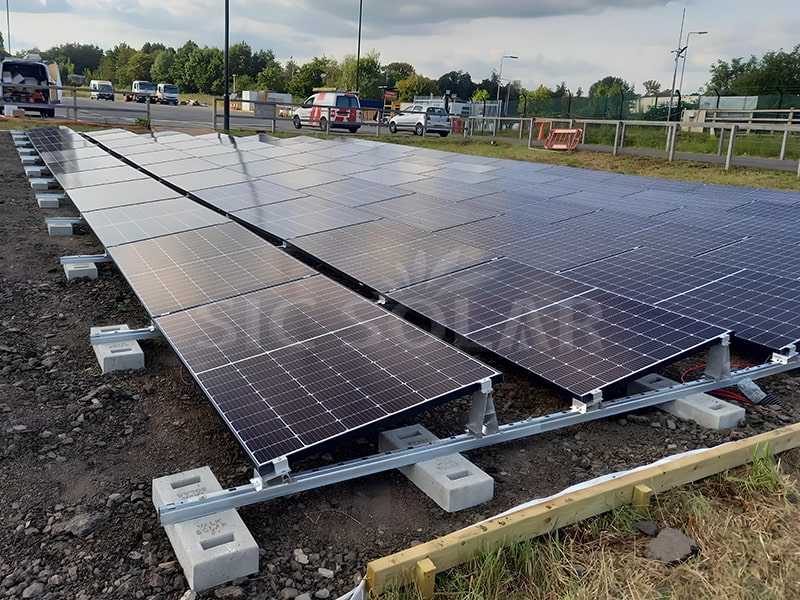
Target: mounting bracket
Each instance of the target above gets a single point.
(482, 415)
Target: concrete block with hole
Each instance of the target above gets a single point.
(703, 409)
(54, 229)
(117, 356)
(452, 481)
(78, 270)
(212, 549)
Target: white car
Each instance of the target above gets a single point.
(421, 119)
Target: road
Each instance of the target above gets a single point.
(126, 113)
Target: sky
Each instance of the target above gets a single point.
(574, 41)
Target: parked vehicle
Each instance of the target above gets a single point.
(100, 89)
(25, 85)
(330, 109)
(421, 119)
(141, 91)
(167, 93)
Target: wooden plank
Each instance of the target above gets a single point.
(461, 546)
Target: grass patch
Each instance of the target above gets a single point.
(746, 523)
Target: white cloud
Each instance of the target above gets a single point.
(576, 41)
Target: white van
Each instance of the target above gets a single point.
(25, 84)
(167, 93)
(100, 89)
(141, 91)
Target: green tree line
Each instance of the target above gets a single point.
(197, 69)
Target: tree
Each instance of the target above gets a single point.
(610, 86)
(459, 83)
(311, 75)
(416, 85)
(775, 72)
(181, 75)
(114, 65)
(137, 67)
(481, 95)
(723, 75)
(369, 78)
(81, 56)
(207, 66)
(161, 71)
(272, 78)
(651, 87)
(396, 71)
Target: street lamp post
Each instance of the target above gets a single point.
(685, 54)
(500, 79)
(226, 110)
(358, 53)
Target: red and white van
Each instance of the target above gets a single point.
(335, 109)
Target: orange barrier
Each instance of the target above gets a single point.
(563, 140)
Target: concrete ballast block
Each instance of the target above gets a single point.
(59, 228)
(28, 161)
(703, 409)
(77, 270)
(36, 171)
(45, 201)
(41, 184)
(452, 481)
(118, 356)
(213, 549)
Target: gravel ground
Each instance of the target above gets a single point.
(80, 449)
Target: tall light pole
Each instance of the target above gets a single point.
(8, 29)
(678, 53)
(226, 110)
(685, 54)
(358, 53)
(500, 78)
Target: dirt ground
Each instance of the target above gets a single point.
(80, 449)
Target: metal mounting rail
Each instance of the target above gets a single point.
(84, 258)
(124, 335)
(234, 497)
(64, 221)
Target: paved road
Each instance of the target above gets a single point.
(126, 113)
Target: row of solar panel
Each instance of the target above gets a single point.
(290, 360)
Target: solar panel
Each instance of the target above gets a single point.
(192, 182)
(356, 192)
(759, 254)
(562, 249)
(577, 338)
(238, 196)
(386, 256)
(115, 226)
(303, 216)
(178, 167)
(649, 275)
(325, 365)
(263, 167)
(119, 194)
(762, 308)
(301, 180)
(73, 165)
(80, 179)
(187, 269)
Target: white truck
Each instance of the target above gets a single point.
(141, 91)
(167, 93)
(26, 85)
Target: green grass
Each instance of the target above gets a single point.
(746, 523)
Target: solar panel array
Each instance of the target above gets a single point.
(290, 360)
(410, 223)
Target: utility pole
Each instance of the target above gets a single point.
(678, 53)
